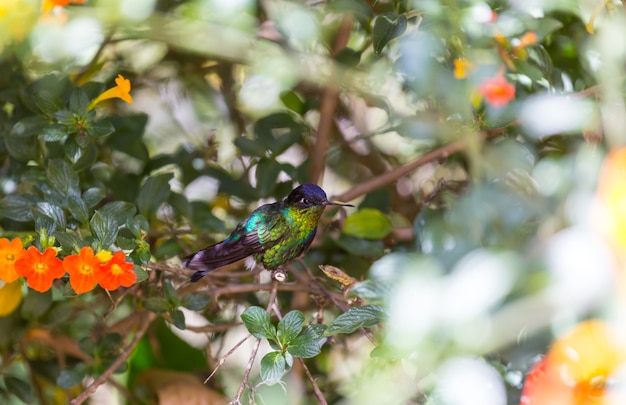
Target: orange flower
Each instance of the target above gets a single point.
(82, 269)
(497, 91)
(40, 269)
(9, 253)
(577, 368)
(116, 273)
(460, 68)
(527, 39)
(49, 5)
(121, 90)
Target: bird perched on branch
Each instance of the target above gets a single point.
(274, 234)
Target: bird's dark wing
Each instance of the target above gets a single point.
(260, 231)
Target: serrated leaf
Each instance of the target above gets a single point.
(153, 193)
(304, 346)
(258, 323)
(62, 177)
(273, 367)
(195, 301)
(290, 326)
(372, 291)
(18, 207)
(315, 331)
(158, 305)
(71, 377)
(355, 318)
(387, 27)
(19, 388)
(178, 319)
(104, 227)
(368, 223)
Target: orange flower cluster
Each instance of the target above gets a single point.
(497, 91)
(86, 269)
(578, 369)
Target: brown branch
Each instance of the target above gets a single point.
(143, 328)
(223, 359)
(390, 177)
(328, 106)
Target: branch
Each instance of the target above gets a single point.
(143, 328)
(328, 107)
(246, 375)
(390, 177)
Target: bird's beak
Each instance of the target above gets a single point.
(338, 203)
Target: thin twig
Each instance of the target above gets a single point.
(143, 328)
(225, 357)
(246, 375)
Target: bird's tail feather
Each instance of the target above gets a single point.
(218, 255)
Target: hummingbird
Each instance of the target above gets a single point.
(274, 234)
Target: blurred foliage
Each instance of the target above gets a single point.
(469, 134)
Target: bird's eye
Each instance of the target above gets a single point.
(304, 201)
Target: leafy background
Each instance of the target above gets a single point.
(471, 247)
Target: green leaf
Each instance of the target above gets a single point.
(121, 211)
(36, 304)
(315, 330)
(54, 212)
(178, 319)
(65, 117)
(267, 172)
(273, 367)
(372, 291)
(19, 388)
(62, 177)
(361, 247)
(142, 275)
(368, 223)
(355, 318)
(250, 147)
(73, 151)
(53, 133)
(92, 196)
(258, 323)
(79, 102)
(22, 149)
(170, 293)
(292, 101)
(304, 346)
(546, 26)
(195, 301)
(108, 343)
(71, 377)
(104, 227)
(158, 305)
(18, 207)
(29, 127)
(153, 193)
(69, 241)
(100, 128)
(387, 27)
(78, 208)
(290, 326)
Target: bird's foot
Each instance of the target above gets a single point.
(279, 275)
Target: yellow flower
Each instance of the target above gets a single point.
(610, 214)
(461, 66)
(10, 297)
(121, 90)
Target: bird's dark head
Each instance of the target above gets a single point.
(309, 195)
